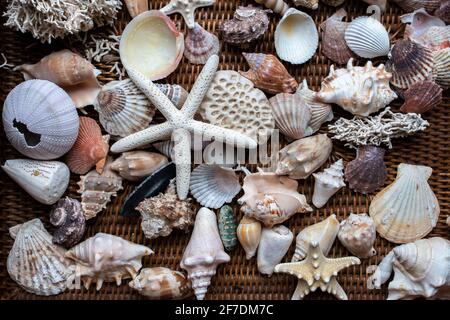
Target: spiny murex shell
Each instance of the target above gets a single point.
(204, 252)
(407, 209)
(249, 234)
(136, 165)
(421, 269)
(357, 234)
(199, 45)
(227, 227)
(105, 257)
(327, 183)
(359, 90)
(34, 262)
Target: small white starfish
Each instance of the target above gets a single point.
(180, 124)
(186, 8)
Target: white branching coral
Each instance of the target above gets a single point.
(377, 130)
(51, 19)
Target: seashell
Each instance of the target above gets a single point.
(135, 7)
(176, 93)
(333, 3)
(268, 73)
(443, 12)
(223, 154)
(434, 38)
(248, 24)
(304, 156)
(357, 234)
(161, 284)
(367, 37)
(227, 227)
(334, 46)
(105, 258)
(292, 115)
(421, 269)
(199, 45)
(45, 181)
(380, 3)
(136, 165)
(411, 5)
(296, 37)
(448, 221)
(68, 218)
(277, 6)
(274, 244)
(123, 109)
(323, 232)
(368, 171)
(327, 183)
(442, 67)
(320, 112)
(212, 185)
(419, 22)
(89, 149)
(249, 234)
(233, 103)
(409, 62)
(164, 212)
(421, 97)
(407, 209)
(310, 4)
(271, 199)
(70, 71)
(97, 189)
(204, 252)
(152, 45)
(40, 120)
(359, 90)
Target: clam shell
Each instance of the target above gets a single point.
(212, 185)
(357, 234)
(249, 234)
(40, 120)
(296, 37)
(421, 97)
(442, 67)
(411, 5)
(419, 22)
(199, 45)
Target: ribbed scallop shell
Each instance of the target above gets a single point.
(292, 115)
(123, 109)
(212, 185)
(435, 38)
(442, 67)
(34, 262)
(248, 233)
(40, 120)
(407, 209)
(296, 37)
(418, 23)
(200, 44)
(411, 5)
(421, 97)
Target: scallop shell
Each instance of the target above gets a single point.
(45, 181)
(442, 67)
(68, 218)
(419, 23)
(368, 171)
(407, 209)
(212, 185)
(249, 234)
(357, 233)
(123, 109)
(34, 262)
(152, 45)
(421, 97)
(292, 115)
(199, 45)
(434, 38)
(136, 165)
(327, 183)
(443, 12)
(89, 149)
(40, 120)
(310, 4)
(296, 37)
(411, 5)
(227, 227)
(277, 6)
(135, 7)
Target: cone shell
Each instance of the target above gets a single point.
(135, 7)
(268, 73)
(249, 234)
(327, 183)
(421, 97)
(227, 227)
(199, 45)
(136, 165)
(442, 67)
(407, 209)
(310, 4)
(40, 120)
(34, 262)
(296, 37)
(411, 5)
(68, 218)
(357, 233)
(368, 171)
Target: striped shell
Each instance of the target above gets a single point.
(421, 97)
(227, 227)
(199, 45)
(411, 5)
(435, 38)
(442, 67)
(176, 93)
(249, 234)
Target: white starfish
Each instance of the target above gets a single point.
(180, 124)
(186, 8)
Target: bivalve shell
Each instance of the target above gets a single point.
(411, 5)
(199, 45)
(442, 67)
(422, 97)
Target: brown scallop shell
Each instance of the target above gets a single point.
(367, 172)
(443, 11)
(411, 5)
(422, 97)
(268, 74)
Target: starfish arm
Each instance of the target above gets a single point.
(301, 290)
(182, 158)
(299, 269)
(169, 8)
(335, 288)
(331, 267)
(200, 87)
(151, 134)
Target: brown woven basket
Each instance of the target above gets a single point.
(238, 279)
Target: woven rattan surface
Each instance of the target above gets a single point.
(238, 279)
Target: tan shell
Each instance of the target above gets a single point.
(249, 234)
(422, 97)
(199, 45)
(136, 7)
(176, 93)
(277, 6)
(411, 5)
(310, 4)
(136, 165)
(442, 67)
(357, 233)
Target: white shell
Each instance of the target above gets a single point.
(45, 181)
(249, 235)
(327, 183)
(357, 234)
(204, 252)
(296, 37)
(212, 185)
(34, 262)
(407, 209)
(274, 244)
(49, 115)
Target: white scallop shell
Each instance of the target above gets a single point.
(40, 120)
(296, 37)
(45, 181)
(212, 185)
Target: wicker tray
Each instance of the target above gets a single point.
(239, 279)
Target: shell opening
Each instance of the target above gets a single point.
(32, 139)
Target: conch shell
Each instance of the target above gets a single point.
(357, 234)
(136, 165)
(327, 183)
(249, 234)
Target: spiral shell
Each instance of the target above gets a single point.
(357, 234)
(199, 45)
(227, 227)
(327, 183)
(68, 218)
(249, 234)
